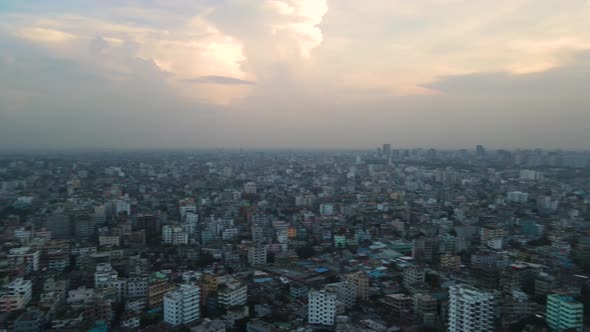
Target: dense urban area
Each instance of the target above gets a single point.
(379, 240)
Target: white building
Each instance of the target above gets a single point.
(25, 255)
(187, 207)
(321, 308)
(174, 235)
(81, 294)
(16, 295)
(24, 234)
(327, 209)
(131, 323)
(517, 197)
(182, 305)
(109, 240)
(123, 205)
(231, 292)
(191, 218)
(530, 175)
(229, 233)
(470, 309)
(137, 287)
(104, 275)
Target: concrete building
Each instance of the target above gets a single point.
(400, 304)
(231, 292)
(109, 240)
(156, 290)
(321, 308)
(104, 275)
(517, 197)
(327, 209)
(29, 321)
(250, 188)
(182, 305)
(564, 313)
(345, 292)
(208, 325)
(137, 287)
(413, 276)
(361, 281)
(425, 308)
(26, 256)
(187, 207)
(174, 235)
(470, 309)
(257, 255)
(16, 295)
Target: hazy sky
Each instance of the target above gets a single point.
(294, 73)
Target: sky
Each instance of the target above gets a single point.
(294, 74)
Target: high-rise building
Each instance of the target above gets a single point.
(386, 150)
(361, 281)
(84, 226)
(187, 206)
(29, 321)
(414, 276)
(564, 313)
(230, 291)
(149, 223)
(123, 205)
(517, 197)
(327, 209)
(250, 188)
(257, 255)
(480, 151)
(321, 308)
(345, 292)
(16, 295)
(59, 224)
(182, 305)
(470, 309)
(25, 256)
(174, 235)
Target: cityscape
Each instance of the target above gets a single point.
(262, 241)
(294, 166)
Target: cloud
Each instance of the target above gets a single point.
(184, 49)
(303, 72)
(45, 35)
(302, 19)
(212, 79)
(570, 79)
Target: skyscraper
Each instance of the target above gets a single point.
(386, 150)
(480, 151)
(470, 309)
(564, 313)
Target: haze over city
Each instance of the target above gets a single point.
(294, 74)
(294, 165)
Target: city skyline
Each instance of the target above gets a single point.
(294, 74)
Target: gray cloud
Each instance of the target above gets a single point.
(47, 101)
(570, 79)
(213, 79)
